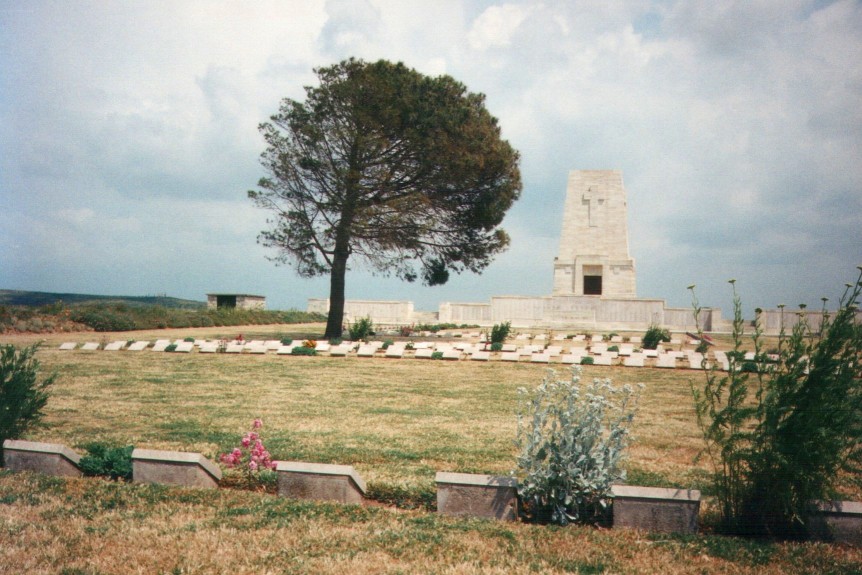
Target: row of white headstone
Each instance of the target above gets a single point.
(598, 352)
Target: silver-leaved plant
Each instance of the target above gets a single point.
(571, 439)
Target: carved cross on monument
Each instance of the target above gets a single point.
(593, 199)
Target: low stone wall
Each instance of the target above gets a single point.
(174, 468)
(320, 482)
(772, 320)
(545, 312)
(838, 522)
(656, 509)
(652, 509)
(381, 312)
(465, 313)
(468, 495)
(47, 458)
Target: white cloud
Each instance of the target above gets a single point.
(495, 27)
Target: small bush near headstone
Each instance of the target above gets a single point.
(286, 341)
(587, 360)
(615, 348)
(437, 355)
(302, 350)
(387, 343)
(335, 341)
(108, 461)
(361, 329)
(654, 335)
(497, 346)
(189, 339)
(171, 347)
(748, 367)
(500, 332)
(785, 441)
(23, 394)
(571, 437)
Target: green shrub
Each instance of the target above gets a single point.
(387, 343)
(587, 360)
(571, 438)
(497, 346)
(748, 367)
(189, 339)
(361, 329)
(104, 318)
(302, 350)
(104, 460)
(615, 348)
(286, 341)
(437, 355)
(23, 394)
(500, 332)
(737, 356)
(653, 336)
(123, 317)
(786, 445)
(171, 347)
(335, 341)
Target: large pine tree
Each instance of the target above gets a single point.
(406, 172)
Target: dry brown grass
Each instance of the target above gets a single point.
(90, 526)
(396, 421)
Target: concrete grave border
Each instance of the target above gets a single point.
(837, 522)
(656, 509)
(47, 458)
(472, 495)
(320, 482)
(174, 468)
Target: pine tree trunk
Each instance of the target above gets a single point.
(335, 319)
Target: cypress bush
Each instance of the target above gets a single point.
(779, 436)
(23, 394)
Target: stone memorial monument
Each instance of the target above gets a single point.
(594, 254)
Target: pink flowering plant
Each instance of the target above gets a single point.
(251, 456)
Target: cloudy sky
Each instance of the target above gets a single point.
(128, 137)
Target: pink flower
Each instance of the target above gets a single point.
(251, 452)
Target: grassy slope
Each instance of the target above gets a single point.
(397, 421)
(36, 298)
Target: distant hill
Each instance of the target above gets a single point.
(38, 298)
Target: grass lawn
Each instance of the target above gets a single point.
(396, 421)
